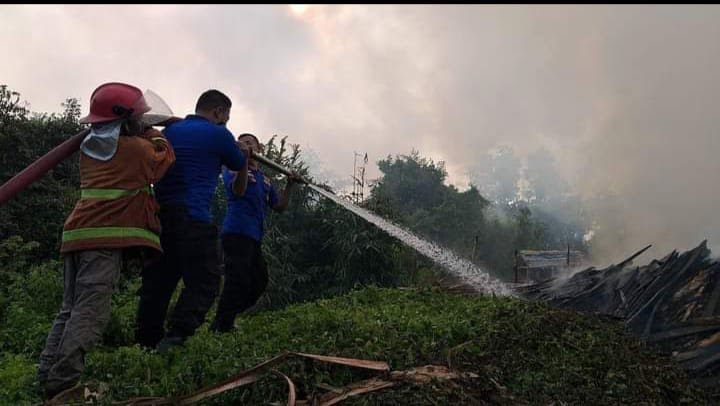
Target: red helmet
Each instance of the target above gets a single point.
(112, 101)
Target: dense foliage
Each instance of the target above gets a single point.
(521, 352)
(37, 214)
(412, 191)
(318, 251)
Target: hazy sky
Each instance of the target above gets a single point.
(624, 96)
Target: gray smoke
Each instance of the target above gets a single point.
(623, 98)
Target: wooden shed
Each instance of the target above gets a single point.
(537, 266)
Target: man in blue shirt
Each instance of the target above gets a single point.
(246, 275)
(202, 145)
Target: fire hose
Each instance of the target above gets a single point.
(41, 166)
(276, 166)
(47, 162)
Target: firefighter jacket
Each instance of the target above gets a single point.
(117, 208)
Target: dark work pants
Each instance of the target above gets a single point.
(90, 278)
(189, 253)
(246, 278)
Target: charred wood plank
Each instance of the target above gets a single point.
(682, 332)
(715, 295)
(663, 291)
(633, 256)
(701, 358)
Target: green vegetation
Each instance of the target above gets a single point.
(38, 213)
(540, 355)
(333, 290)
(413, 193)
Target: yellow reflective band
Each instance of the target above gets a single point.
(109, 232)
(111, 193)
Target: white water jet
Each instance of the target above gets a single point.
(480, 280)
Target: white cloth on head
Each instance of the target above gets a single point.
(102, 141)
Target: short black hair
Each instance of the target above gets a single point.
(243, 135)
(212, 99)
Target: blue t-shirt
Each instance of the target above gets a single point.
(201, 148)
(246, 215)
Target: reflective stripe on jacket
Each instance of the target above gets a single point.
(117, 208)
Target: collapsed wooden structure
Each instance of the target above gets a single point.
(671, 303)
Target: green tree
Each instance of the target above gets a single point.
(37, 213)
(413, 188)
(318, 249)
(413, 191)
(411, 182)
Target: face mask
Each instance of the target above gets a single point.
(101, 143)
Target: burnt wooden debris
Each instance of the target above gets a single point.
(672, 303)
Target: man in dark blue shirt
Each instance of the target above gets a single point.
(202, 145)
(246, 275)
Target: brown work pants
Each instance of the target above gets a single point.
(90, 278)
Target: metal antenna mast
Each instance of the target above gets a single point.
(359, 178)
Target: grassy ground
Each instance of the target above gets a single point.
(520, 351)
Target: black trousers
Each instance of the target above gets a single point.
(246, 278)
(189, 253)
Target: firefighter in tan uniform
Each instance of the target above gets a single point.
(119, 161)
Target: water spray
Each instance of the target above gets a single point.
(478, 279)
(475, 277)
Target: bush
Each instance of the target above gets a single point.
(30, 299)
(17, 375)
(541, 355)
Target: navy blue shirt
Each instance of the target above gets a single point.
(201, 148)
(246, 215)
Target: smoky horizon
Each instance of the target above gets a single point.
(601, 115)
